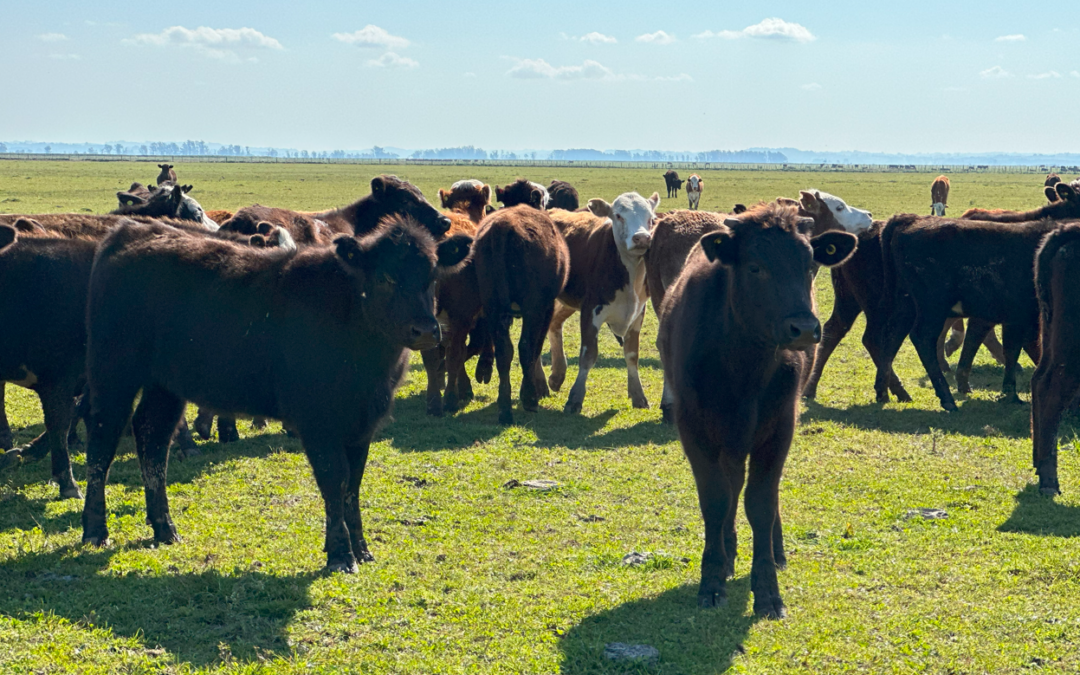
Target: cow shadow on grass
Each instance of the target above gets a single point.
(1040, 515)
(200, 617)
(690, 640)
(976, 417)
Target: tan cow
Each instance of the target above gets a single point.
(939, 196)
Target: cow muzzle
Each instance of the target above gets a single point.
(641, 241)
(799, 331)
(424, 336)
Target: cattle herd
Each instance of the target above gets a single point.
(309, 318)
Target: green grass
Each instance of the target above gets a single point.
(472, 577)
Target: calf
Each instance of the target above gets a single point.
(939, 196)
(318, 338)
(733, 328)
(471, 197)
(672, 182)
(523, 191)
(1057, 378)
(958, 268)
(522, 265)
(1064, 204)
(694, 187)
(606, 284)
(563, 196)
(167, 174)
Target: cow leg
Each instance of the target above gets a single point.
(154, 424)
(893, 329)
(7, 441)
(458, 388)
(590, 351)
(357, 456)
(762, 510)
(1015, 337)
(108, 418)
(485, 348)
(82, 412)
(435, 367)
(534, 386)
(845, 310)
(1053, 387)
(226, 429)
(204, 424)
(924, 336)
(955, 331)
(716, 482)
(993, 346)
(555, 340)
(943, 363)
(333, 474)
(185, 442)
(504, 355)
(58, 407)
(631, 343)
(976, 331)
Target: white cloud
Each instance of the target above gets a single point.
(392, 60)
(1075, 73)
(213, 43)
(772, 29)
(1049, 75)
(372, 36)
(657, 38)
(597, 39)
(681, 77)
(65, 57)
(1018, 37)
(995, 72)
(52, 37)
(812, 86)
(539, 69)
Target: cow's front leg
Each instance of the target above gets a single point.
(630, 351)
(591, 320)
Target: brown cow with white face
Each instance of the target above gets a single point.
(694, 187)
(939, 196)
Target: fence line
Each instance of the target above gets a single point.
(554, 163)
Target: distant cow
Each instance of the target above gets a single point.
(939, 196)
(606, 284)
(1052, 179)
(167, 175)
(732, 331)
(1064, 204)
(318, 338)
(468, 196)
(671, 180)
(563, 196)
(523, 191)
(694, 187)
(522, 264)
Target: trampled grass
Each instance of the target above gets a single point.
(473, 577)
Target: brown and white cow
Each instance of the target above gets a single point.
(606, 284)
(939, 196)
(469, 196)
(694, 187)
(523, 191)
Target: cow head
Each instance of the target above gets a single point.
(394, 269)
(1052, 179)
(1064, 200)
(166, 201)
(467, 196)
(937, 209)
(770, 258)
(522, 191)
(632, 218)
(392, 196)
(832, 213)
(7, 236)
(694, 183)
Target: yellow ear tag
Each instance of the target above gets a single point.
(831, 249)
(351, 254)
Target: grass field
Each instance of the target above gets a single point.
(474, 577)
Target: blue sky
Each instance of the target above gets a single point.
(895, 77)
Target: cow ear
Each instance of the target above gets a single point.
(453, 250)
(833, 247)
(163, 166)
(444, 198)
(135, 186)
(257, 240)
(1065, 191)
(177, 193)
(485, 192)
(739, 208)
(378, 185)
(27, 225)
(806, 225)
(787, 201)
(1051, 193)
(499, 192)
(720, 247)
(809, 201)
(186, 188)
(599, 208)
(654, 201)
(264, 227)
(7, 236)
(349, 252)
(536, 199)
(126, 198)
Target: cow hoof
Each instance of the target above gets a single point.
(1049, 491)
(555, 382)
(1011, 399)
(228, 436)
(640, 404)
(483, 372)
(365, 556)
(204, 428)
(884, 398)
(572, 408)
(96, 541)
(771, 608)
(506, 417)
(711, 600)
(258, 423)
(435, 407)
(530, 406)
(6, 441)
(166, 534)
(188, 453)
(346, 567)
(949, 406)
(666, 415)
(70, 492)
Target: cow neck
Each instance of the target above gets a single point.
(635, 265)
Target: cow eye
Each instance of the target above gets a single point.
(839, 208)
(754, 269)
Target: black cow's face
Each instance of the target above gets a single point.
(395, 196)
(771, 278)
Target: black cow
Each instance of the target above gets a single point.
(671, 180)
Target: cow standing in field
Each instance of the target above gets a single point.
(694, 187)
(563, 196)
(733, 328)
(672, 182)
(606, 284)
(166, 175)
(522, 264)
(523, 191)
(317, 338)
(939, 196)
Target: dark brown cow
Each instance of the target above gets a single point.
(1057, 378)
(523, 191)
(167, 174)
(672, 182)
(1052, 179)
(471, 197)
(389, 195)
(733, 328)
(522, 264)
(958, 268)
(606, 284)
(1064, 204)
(317, 338)
(563, 196)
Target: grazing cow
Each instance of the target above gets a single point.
(694, 187)
(523, 191)
(167, 175)
(1052, 179)
(733, 328)
(671, 180)
(606, 284)
(389, 195)
(1064, 204)
(939, 196)
(959, 268)
(563, 196)
(1057, 378)
(469, 196)
(522, 265)
(318, 338)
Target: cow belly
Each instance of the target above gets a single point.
(622, 311)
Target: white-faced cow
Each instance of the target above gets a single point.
(939, 196)
(607, 285)
(694, 187)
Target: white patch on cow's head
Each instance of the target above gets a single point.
(542, 189)
(939, 209)
(851, 219)
(468, 181)
(693, 183)
(632, 218)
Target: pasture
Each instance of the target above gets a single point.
(473, 575)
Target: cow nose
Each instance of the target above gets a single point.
(425, 335)
(800, 331)
(444, 223)
(641, 240)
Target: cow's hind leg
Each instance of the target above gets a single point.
(108, 418)
(204, 424)
(555, 340)
(590, 351)
(1015, 336)
(154, 424)
(58, 407)
(924, 335)
(534, 386)
(1053, 387)
(7, 441)
(435, 368)
(504, 355)
(976, 332)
